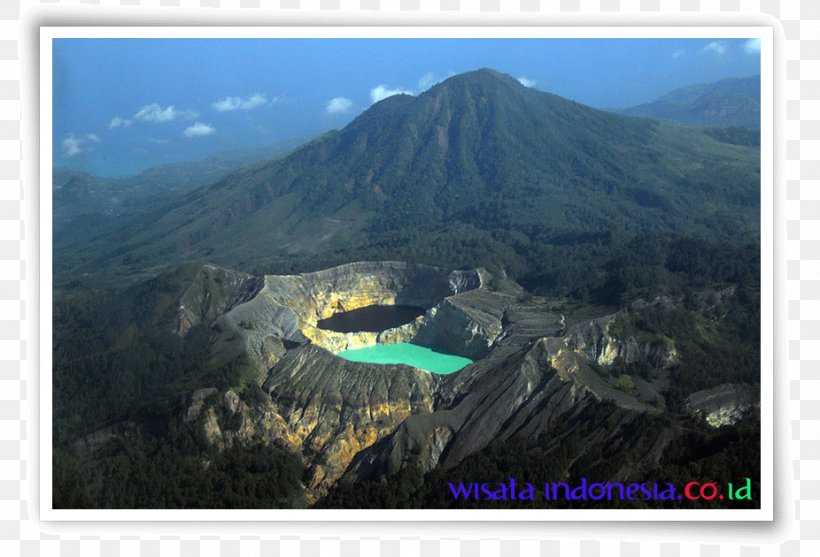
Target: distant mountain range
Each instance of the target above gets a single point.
(78, 193)
(728, 102)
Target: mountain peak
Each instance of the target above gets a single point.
(485, 72)
(452, 95)
(483, 76)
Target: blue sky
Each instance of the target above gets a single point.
(123, 105)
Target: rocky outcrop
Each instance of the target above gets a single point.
(322, 407)
(722, 405)
(92, 442)
(213, 292)
(465, 324)
(195, 403)
(598, 342)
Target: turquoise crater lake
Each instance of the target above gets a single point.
(409, 354)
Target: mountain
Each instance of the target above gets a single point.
(728, 102)
(205, 361)
(82, 200)
(477, 171)
(601, 271)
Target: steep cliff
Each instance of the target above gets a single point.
(286, 309)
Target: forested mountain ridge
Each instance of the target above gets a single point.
(477, 171)
(728, 102)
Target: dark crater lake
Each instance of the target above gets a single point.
(371, 319)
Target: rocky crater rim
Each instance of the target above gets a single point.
(361, 285)
(287, 309)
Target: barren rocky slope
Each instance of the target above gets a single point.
(531, 370)
(540, 370)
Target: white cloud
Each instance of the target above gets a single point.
(338, 105)
(427, 81)
(226, 104)
(72, 145)
(238, 103)
(715, 47)
(199, 130)
(116, 122)
(155, 113)
(381, 92)
(253, 101)
(678, 53)
(526, 82)
(752, 46)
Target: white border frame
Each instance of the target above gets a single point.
(765, 513)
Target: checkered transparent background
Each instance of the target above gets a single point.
(20, 533)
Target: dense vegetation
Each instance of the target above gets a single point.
(115, 355)
(717, 337)
(177, 470)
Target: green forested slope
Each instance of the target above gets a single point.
(479, 170)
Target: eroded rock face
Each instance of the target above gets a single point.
(335, 408)
(520, 395)
(365, 284)
(532, 371)
(465, 324)
(323, 407)
(598, 343)
(516, 390)
(326, 408)
(529, 370)
(212, 293)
